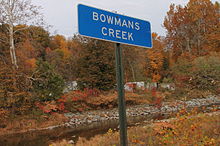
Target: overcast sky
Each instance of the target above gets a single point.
(62, 14)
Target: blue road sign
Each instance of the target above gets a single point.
(100, 24)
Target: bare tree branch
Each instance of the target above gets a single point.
(20, 29)
(17, 12)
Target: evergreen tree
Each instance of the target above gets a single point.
(96, 67)
(47, 84)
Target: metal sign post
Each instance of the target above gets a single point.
(121, 99)
(105, 25)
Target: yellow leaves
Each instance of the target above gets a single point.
(66, 52)
(61, 44)
(110, 132)
(209, 141)
(64, 48)
(188, 130)
(20, 26)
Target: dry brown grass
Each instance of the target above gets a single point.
(24, 123)
(187, 129)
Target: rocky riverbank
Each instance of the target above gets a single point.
(140, 111)
(93, 119)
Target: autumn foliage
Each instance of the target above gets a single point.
(189, 28)
(188, 57)
(186, 129)
(156, 59)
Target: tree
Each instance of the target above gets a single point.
(47, 84)
(14, 87)
(189, 28)
(38, 37)
(134, 63)
(30, 45)
(61, 57)
(3, 39)
(15, 12)
(156, 61)
(59, 42)
(96, 67)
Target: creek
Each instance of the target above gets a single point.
(89, 124)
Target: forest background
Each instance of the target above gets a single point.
(35, 66)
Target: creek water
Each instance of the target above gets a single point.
(46, 137)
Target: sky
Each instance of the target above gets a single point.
(62, 14)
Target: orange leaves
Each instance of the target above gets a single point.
(188, 130)
(31, 63)
(189, 28)
(81, 95)
(136, 141)
(66, 52)
(172, 132)
(59, 42)
(156, 77)
(50, 106)
(193, 127)
(27, 55)
(155, 58)
(161, 128)
(154, 35)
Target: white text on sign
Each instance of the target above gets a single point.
(119, 34)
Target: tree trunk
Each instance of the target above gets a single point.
(132, 70)
(12, 46)
(188, 45)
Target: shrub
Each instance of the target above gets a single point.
(203, 73)
(206, 73)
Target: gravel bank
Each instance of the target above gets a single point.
(147, 111)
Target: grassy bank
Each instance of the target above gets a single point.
(185, 129)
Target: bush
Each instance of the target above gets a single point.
(206, 73)
(203, 73)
